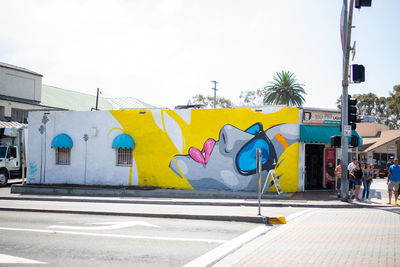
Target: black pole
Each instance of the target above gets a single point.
(97, 99)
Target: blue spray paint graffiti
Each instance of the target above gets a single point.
(33, 170)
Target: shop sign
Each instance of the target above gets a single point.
(320, 117)
(391, 147)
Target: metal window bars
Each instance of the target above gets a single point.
(63, 156)
(124, 156)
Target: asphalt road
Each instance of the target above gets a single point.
(102, 240)
(145, 208)
(92, 240)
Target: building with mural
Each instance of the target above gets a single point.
(188, 148)
(200, 149)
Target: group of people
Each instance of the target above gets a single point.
(363, 175)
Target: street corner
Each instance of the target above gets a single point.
(395, 204)
(275, 219)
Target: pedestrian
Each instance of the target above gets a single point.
(338, 174)
(393, 181)
(357, 173)
(367, 180)
(351, 177)
(390, 163)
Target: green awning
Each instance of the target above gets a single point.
(322, 134)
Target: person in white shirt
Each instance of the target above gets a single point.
(351, 166)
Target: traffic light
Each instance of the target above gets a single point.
(336, 141)
(354, 141)
(358, 73)
(352, 112)
(360, 3)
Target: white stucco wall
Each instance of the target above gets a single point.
(101, 158)
(20, 84)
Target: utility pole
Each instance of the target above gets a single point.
(215, 92)
(348, 17)
(97, 98)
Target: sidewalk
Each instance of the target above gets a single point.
(326, 237)
(168, 203)
(321, 198)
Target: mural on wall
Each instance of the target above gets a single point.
(230, 162)
(212, 149)
(43, 138)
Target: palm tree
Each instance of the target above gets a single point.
(284, 90)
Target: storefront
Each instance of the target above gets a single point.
(319, 158)
(379, 150)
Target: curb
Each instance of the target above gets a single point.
(237, 218)
(197, 203)
(128, 192)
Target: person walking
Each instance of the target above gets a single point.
(367, 180)
(357, 173)
(393, 181)
(338, 174)
(350, 167)
(390, 163)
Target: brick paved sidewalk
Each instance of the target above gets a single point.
(327, 237)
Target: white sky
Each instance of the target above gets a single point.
(164, 52)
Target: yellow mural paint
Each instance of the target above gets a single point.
(164, 138)
(130, 176)
(116, 128)
(288, 169)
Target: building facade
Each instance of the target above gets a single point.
(318, 158)
(196, 149)
(20, 91)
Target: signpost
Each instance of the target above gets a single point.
(259, 170)
(347, 130)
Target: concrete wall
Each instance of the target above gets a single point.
(9, 105)
(190, 149)
(20, 84)
(100, 168)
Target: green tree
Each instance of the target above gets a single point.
(284, 90)
(386, 110)
(208, 101)
(252, 98)
(366, 104)
(394, 107)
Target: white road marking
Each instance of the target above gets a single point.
(218, 253)
(7, 259)
(295, 215)
(226, 249)
(108, 225)
(115, 235)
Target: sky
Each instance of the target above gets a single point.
(165, 52)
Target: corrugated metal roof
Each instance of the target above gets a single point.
(127, 102)
(9, 66)
(72, 100)
(11, 124)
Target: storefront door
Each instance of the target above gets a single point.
(314, 166)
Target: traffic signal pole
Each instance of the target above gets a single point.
(348, 17)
